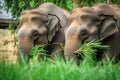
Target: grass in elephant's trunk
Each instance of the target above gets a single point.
(38, 49)
(39, 52)
(88, 51)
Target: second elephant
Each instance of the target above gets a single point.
(88, 23)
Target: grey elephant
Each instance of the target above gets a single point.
(42, 25)
(116, 8)
(88, 23)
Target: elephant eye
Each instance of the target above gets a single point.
(35, 34)
(84, 33)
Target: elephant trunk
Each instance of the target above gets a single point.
(24, 47)
(71, 45)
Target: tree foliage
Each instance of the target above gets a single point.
(16, 6)
(91, 2)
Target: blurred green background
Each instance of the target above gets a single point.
(16, 6)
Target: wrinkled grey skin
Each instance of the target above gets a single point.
(92, 23)
(43, 25)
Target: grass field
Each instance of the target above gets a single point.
(58, 69)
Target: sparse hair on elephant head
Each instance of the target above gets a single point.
(89, 23)
(36, 27)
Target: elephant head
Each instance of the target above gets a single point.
(86, 24)
(36, 27)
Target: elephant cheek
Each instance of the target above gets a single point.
(71, 45)
(24, 46)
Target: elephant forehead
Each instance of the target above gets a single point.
(23, 31)
(83, 11)
(35, 13)
(27, 17)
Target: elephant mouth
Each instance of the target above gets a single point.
(35, 42)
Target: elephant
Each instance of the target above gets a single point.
(92, 23)
(116, 8)
(42, 25)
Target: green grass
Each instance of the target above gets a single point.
(58, 69)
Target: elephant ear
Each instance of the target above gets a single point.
(53, 26)
(108, 26)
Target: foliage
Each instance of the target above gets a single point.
(1, 6)
(38, 50)
(16, 6)
(92, 2)
(88, 51)
(59, 70)
(91, 47)
(115, 1)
